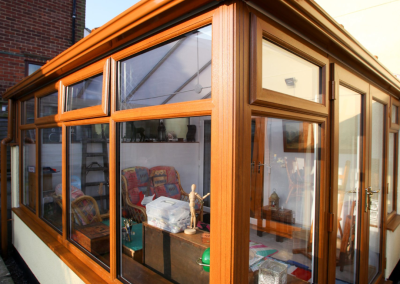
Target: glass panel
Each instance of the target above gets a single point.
(391, 159)
(28, 111)
(377, 179)
(178, 71)
(88, 175)
(86, 93)
(33, 67)
(349, 179)
(287, 73)
(50, 176)
(284, 196)
(48, 105)
(153, 169)
(28, 138)
(395, 114)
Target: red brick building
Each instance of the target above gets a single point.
(34, 31)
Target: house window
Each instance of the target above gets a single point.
(287, 73)
(50, 176)
(159, 161)
(284, 190)
(85, 93)
(48, 105)
(178, 71)
(31, 67)
(28, 111)
(391, 179)
(88, 190)
(29, 185)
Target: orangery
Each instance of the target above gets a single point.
(207, 142)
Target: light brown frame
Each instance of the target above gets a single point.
(102, 66)
(278, 35)
(43, 93)
(394, 102)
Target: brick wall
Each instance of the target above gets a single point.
(34, 31)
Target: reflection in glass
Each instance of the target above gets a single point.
(48, 105)
(50, 176)
(287, 73)
(28, 138)
(178, 71)
(284, 195)
(150, 168)
(391, 185)
(377, 179)
(348, 184)
(28, 111)
(85, 93)
(88, 180)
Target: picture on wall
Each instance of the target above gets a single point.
(298, 136)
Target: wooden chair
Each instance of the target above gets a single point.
(347, 242)
(307, 251)
(296, 181)
(138, 213)
(85, 211)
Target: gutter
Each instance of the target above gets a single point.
(4, 142)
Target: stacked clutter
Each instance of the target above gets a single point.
(168, 214)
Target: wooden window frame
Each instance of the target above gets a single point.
(43, 93)
(391, 215)
(100, 67)
(95, 115)
(394, 102)
(267, 29)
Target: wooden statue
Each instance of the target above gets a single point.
(192, 198)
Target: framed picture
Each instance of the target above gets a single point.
(298, 136)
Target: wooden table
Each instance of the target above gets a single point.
(174, 255)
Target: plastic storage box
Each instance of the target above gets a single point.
(168, 214)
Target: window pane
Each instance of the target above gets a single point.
(86, 93)
(178, 71)
(48, 105)
(287, 73)
(28, 138)
(32, 68)
(88, 176)
(395, 114)
(390, 181)
(50, 176)
(28, 111)
(284, 196)
(163, 159)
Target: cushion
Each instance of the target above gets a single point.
(75, 192)
(136, 177)
(86, 208)
(161, 175)
(171, 190)
(137, 194)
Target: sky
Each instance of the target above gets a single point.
(374, 23)
(99, 12)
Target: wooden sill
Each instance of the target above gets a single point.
(75, 264)
(393, 223)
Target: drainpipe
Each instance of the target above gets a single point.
(73, 20)
(3, 192)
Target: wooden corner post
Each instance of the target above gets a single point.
(230, 145)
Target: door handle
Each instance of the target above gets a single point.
(264, 165)
(368, 197)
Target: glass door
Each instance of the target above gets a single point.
(358, 178)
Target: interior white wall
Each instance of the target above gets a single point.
(279, 178)
(392, 250)
(14, 176)
(42, 261)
